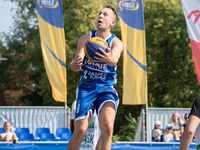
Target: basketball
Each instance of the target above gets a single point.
(93, 45)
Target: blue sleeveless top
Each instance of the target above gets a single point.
(95, 73)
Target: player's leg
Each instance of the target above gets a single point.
(194, 121)
(84, 107)
(106, 124)
(79, 133)
(188, 133)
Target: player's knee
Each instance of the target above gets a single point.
(190, 131)
(107, 129)
(81, 132)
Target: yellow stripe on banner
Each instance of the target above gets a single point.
(53, 48)
(134, 65)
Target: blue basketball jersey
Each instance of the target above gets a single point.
(98, 72)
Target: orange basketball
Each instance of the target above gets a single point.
(93, 45)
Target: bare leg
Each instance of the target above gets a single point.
(188, 134)
(176, 135)
(158, 139)
(14, 138)
(7, 138)
(106, 122)
(79, 134)
(1, 137)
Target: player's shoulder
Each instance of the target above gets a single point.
(115, 39)
(117, 42)
(84, 38)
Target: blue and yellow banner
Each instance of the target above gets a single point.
(51, 27)
(134, 54)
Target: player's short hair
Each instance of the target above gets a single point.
(113, 9)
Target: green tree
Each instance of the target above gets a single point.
(126, 132)
(24, 68)
(172, 80)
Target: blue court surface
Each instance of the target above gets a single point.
(115, 146)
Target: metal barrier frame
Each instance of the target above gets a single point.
(34, 117)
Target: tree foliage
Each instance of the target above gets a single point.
(126, 132)
(172, 80)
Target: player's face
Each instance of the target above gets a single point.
(105, 19)
(7, 127)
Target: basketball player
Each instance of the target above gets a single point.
(193, 124)
(96, 83)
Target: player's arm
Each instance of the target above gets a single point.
(189, 131)
(112, 56)
(77, 63)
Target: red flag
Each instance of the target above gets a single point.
(191, 10)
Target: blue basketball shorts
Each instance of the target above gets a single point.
(91, 96)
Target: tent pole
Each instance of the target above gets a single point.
(146, 123)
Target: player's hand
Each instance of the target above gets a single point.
(105, 57)
(76, 64)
